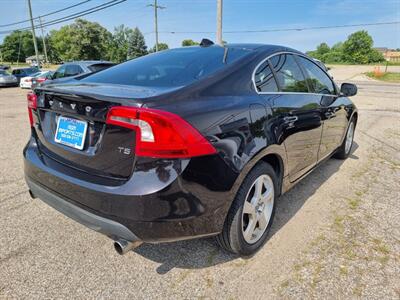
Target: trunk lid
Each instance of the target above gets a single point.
(107, 150)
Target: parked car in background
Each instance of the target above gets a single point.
(24, 72)
(186, 143)
(26, 82)
(6, 79)
(4, 67)
(74, 68)
(39, 79)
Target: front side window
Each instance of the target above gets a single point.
(264, 79)
(317, 79)
(288, 74)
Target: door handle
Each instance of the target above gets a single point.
(291, 119)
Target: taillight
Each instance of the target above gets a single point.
(41, 79)
(32, 104)
(159, 133)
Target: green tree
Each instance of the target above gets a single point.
(189, 42)
(335, 55)
(375, 56)
(137, 45)
(82, 40)
(161, 46)
(323, 48)
(358, 48)
(18, 45)
(118, 50)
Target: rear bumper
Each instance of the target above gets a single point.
(106, 226)
(25, 85)
(153, 206)
(4, 84)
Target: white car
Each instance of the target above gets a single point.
(26, 82)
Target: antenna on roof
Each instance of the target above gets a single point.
(206, 43)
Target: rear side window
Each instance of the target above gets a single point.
(288, 74)
(60, 73)
(72, 70)
(317, 79)
(169, 68)
(264, 79)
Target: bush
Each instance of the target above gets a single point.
(357, 49)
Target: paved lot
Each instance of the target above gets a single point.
(336, 234)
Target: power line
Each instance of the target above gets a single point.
(48, 14)
(287, 29)
(84, 12)
(72, 16)
(156, 8)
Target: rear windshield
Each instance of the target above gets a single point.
(168, 68)
(99, 67)
(31, 70)
(36, 74)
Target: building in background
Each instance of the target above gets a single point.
(389, 54)
(32, 59)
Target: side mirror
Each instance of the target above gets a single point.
(348, 89)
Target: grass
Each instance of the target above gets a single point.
(353, 203)
(388, 76)
(381, 64)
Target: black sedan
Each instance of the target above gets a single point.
(186, 143)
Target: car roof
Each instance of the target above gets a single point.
(27, 68)
(261, 48)
(88, 62)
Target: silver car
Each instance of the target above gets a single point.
(6, 79)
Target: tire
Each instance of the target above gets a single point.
(344, 151)
(247, 213)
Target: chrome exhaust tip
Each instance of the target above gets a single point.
(123, 246)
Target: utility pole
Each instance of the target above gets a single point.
(219, 22)
(156, 7)
(33, 33)
(44, 42)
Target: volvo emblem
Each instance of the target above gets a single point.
(51, 102)
(60, 104)
(73, 105)
(88, 108)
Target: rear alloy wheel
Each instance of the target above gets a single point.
(257, 209)
(345, 149)
(250, 216)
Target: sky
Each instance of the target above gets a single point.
(200, 15)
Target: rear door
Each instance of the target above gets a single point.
(299, 115)
(333, 113)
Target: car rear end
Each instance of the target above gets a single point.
(40, 79)
(7, 79)
(100, 156)
(93, 159)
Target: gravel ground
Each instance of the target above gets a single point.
(336, 234)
